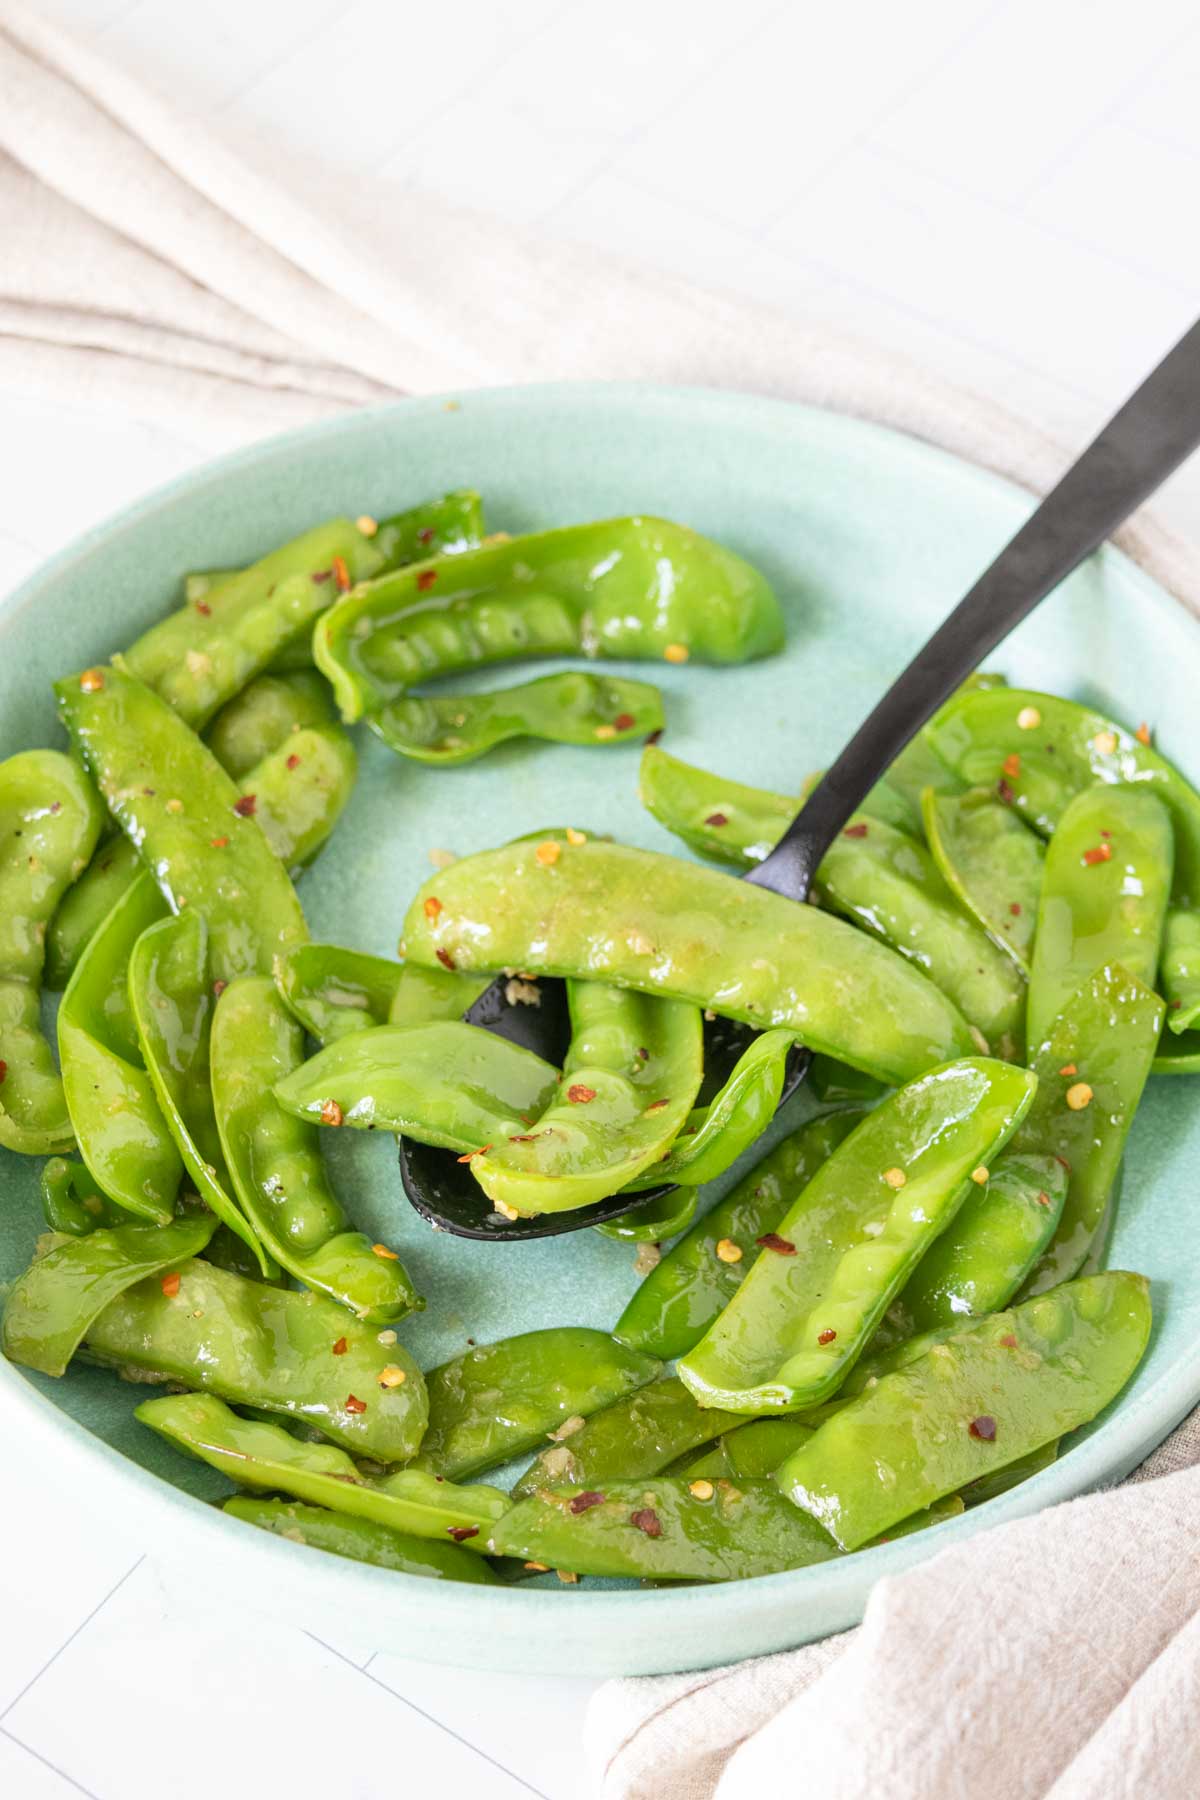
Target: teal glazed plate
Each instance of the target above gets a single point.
(870, 537)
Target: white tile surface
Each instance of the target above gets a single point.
(1004, 190)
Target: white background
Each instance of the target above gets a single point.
(1006, 191)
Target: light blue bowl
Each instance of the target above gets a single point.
(870, 537)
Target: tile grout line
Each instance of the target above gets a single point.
(45, 1761)
(67, 1642)
(405, 1701)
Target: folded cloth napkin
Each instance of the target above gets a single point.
(151, 270)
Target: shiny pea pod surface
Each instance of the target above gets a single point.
(716, 1135)
(334, 991)
(991, 862)
(362, 1540)
(694, 1281)
(969, 1407)
(639, 1435)
(268, 711)
(606, 912)
(499, 1400)
(72, 1202)
(848, 1243)
(571, 708)
(753, 1448)
(299, 792)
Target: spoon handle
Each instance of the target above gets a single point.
(1141, 445)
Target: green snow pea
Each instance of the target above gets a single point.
(1000, 1390)
(171, 1000)
(114, 868)
(445, 1083)
(363, 1540)
(1062, 747)
(53, 1305)
(1104, 896)
(265, 714)
(498, 1400)
(257, 1454)
(980, 1260)
(1091, 1070)
(606, 912)
(656, 1222)
(681, 1297)
(716, 1134)
(880, 878)
(847, 1245)
(423, 996)
(572, 708)
(835, 1084)
(1177, 1055)
(752, 1449)
(991, 862)
(275, 1163)
(122, 1134)
(172, 798)
(334, 992)
(71, 1201)
(299, 792)
(49, 822)
(228, 1250)
(271, 1348)
(637, 1436)
(639, 588)
(989, 1487)
(629, 1081)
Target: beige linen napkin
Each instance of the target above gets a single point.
(149, 269)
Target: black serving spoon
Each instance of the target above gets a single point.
(1155, 430)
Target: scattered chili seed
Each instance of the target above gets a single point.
(826, 1337)
(771, 1240)
(579, 1093)
(354, 1404)
(624, 721)
(393, 1376)
(1142, 734)
(728, 1251)
(460, 1533)
(576, 837)
(536, 1568)
(895, 1178)
(605, 732)
(245, 805)
(1012, 766)
(1101, 854)
(1043, 1199)
(1105, 742)
(676, 653)
(218, 987)
(367, 525)
(980, 1175)
(433, 907)
(717, 818)
(701, 1490)
(1079, 1096)
(855, 831)
(446, 960)
(548, 853)
(385, 1337)
(581, 1503)
(566, 1576)
(202, 606)
(341, 574)
(984, 1427)
(383, 1251)
(170, 1285)
(425, 580)
(1068, 1069)
(647, 1520)
(1029, 718)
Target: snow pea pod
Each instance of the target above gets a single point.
(275, 1164)
(1104, 896)
(640, 588)
(257, 1454)
(114, 868)
(571, 708)
(71, 1201)
(50, 820)
(681, 1297)
(1045, 750)
(880, 878)
(1091, 1070)
(299, 792)
(637, 1436)
(265, 714)
(847, 1245)
(629, 1081)
(752, 1449)
(172, 798)
(446, 1083)
(835, 1084)
(335, 992)
(273, 1348)
(991, 863)
(988, 1487)
(655, 1222)
(717, 1134)
(1177, 1055)
(363, 1540)
(498, 1400)
(1002, 1389)
(55, 1303)
(606, 912)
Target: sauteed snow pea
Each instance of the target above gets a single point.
(334, 992)
(605, 912)
(991, 862)
(572, 708)
(72, 1202)
(271, 709)
(753, 1448)
(681, 1297)
(49, 822)
(498, 1400)
(640, 1435)
(363, 1540)
(716, 1134)
(641, 588)
(1000, 1390)
(275, 1164)
(846, 1246)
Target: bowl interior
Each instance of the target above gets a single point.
(869, 537)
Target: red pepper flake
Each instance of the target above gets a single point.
(1009, 1341)
(433, 907)
(341, 574)
(525, 1137)
(219, 988)
(425, 535)
(1015, 909)
(579, 1093)
(1043, 1199)
(1101, 854)
(293, 761)
(624, 721)
(826, 1337)
(771, 1240)
(855, 831)
(581, 1503)
(482, 1151)
(331, 1113)
(3, 1071)
(717, 819)
(354, 1404)
(983, 1428)
(1063, 1163)
(1142, 734)
(218, 843)
(1175, 1006)
(1011, 766)
(425, 580)
(460, 1533)
(1005, 792)
(202, 606)
(656, 1106)
(170, 1285)
(320, 575)
(244, 805)
(341, 1347)
(654, 736)
(1069, 1069)
(446, 960)
(647, 1520)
